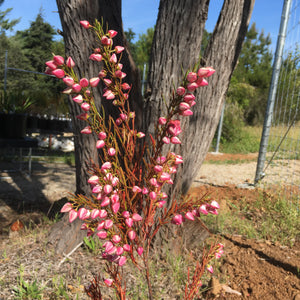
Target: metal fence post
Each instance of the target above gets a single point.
(272, 91)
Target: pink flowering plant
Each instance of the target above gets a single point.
(128, 204)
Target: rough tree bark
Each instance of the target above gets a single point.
(177, 46)
(79, 43)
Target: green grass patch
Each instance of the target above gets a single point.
(273, 218)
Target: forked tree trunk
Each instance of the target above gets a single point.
(176, 47)
(79, 43)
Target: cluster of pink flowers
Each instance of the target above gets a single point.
(111, 213)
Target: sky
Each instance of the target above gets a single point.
(139, 15)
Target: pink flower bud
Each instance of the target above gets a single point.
(100, 225)
(77, 99)
(93, 180)
(115, 207)
(125, 86)
(119, 49)
(51, 65)
(210, 269)
(186, 113)
(95, 213)
(192, 86)
(189, 216)
(180, 91)
(102, 135)
(86, 130)
(140, 250)
(136, 217)
(175, 140)
(189, 97)
(178, 160)
(85, 24)
(108, 246)
(203, 209)
(116, 239)
(83, 82)
(152, 195)
(205, 72)
(66, 208)
(165, 176)
(184, 106)
(85, 106)
(105, 202)
(58, 60)
(126, 247)
(59, 73)
(94, 81)
(95, 57)
(161, 203)
(108, 282)
(129, 222)
(201, 82)
(102, 74)
(83, 213)
(214, 204)
(107, 189)
(102, 214)
(108, 224)
(122, 261)
(120, 251)
(163, 195)
(83, 116)
(145, 191)
(136, 189)
(158, 168)
(112, 33)
(153, 181)
(109, 95)
(118, 121)
(111, 151)
(162, 121)
(177, 220)
(106, 166)
(69, 81)
(115, 198)
(67, 91)
(76, 87)
(212, 211)
(191, 77)
(113, 59)
(107, 81)
(70, 62)
(72, 215)
(161, 160)
(131, 234)
(126, 214)
(100, 144)
(97, 189)
(140, 135)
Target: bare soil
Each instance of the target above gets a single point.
(257, 269)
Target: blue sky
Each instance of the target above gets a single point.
(141, 14)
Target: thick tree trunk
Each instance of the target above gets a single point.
(177, 46)
(79, 43)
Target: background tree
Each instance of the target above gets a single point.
(177, 44)
(250, 81)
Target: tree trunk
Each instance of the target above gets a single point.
(176, 47)
(79, 43)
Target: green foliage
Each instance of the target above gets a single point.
(92, 244)
(274, 218)
(250, 80)
(6, 24)
(33, 47)
(26, 290)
